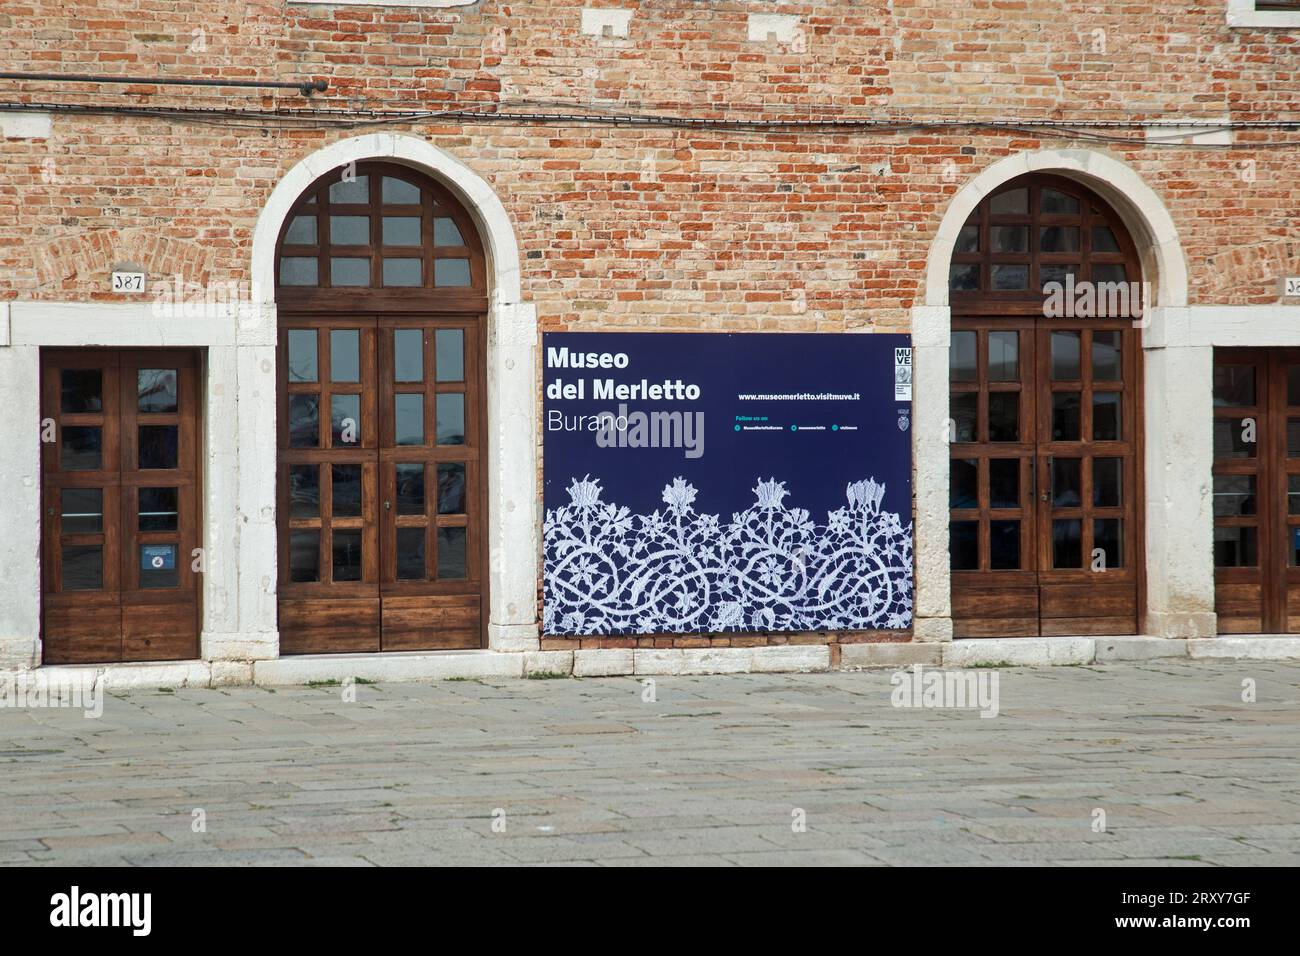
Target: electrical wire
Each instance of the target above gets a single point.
(1176, 135)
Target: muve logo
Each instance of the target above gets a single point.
(102, 909)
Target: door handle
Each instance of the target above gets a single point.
(388, 506)
(1045, 495)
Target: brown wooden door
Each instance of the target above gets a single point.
(380, 485)
(382, 288)
(1257, 490)
(120, 505)
(1045, 420)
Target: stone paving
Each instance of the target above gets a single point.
(714, 771)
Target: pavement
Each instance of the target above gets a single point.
(1160, 762)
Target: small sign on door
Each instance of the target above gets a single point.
(158, 557)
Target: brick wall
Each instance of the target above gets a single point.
(627, 227)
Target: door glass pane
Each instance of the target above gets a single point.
(1103, 240)
(1293, 385)
(1065, 356)
(83, 567)
(302, 355)
(347, 555)
(1011, 202)
(304, 491)
(1054, 202)
(964, 277)
(1234, 496)
(451, 488)
(81, 390)
(1112, 272)
(345, 495)
(304, 556)
(1106, 539)
(1234, 548)
(410, 489)
(1061, 273)
(408, 418)
(304, 421)
(1009, 238)
(156, 389)
(401, 230)
(410, 554)
(1009, 278)
(349, 230)
(1004, 416)
(1292, 495)
(158, 566)
(451, 553)
(355, 190)
(961, 357)
(1004, 482)
(1004, 356)
(1235, 437)
(1106, 355)
(403, 272)
(1004, 545)
(1066, 488)
(449, 344)
(345, 420)
(1105, 416)
(398, 192)
(301, 232)
(1058, 239)
(963, 483)
(349, 271)
(81, 448)
(1234, 385)
(158, 509)
(299, 270)
(1293, 546)
(345, 355)
(968, 239)
(1065, 416)
(82, 510)
(408, 355)
(962, 407)
(963, 545)
(157, 445)
(1293, 437)
(445, 233)
(451, 272)
(1067, 543)
(1107, 480)
(451, 419)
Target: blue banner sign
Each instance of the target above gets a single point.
(711, 483)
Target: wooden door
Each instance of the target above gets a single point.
(1257, 490)
(382, 434)
(1045, 418)
(120, 505)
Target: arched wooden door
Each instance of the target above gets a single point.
(1045, 405)
(382, 497)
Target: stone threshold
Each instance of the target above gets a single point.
(635, 662)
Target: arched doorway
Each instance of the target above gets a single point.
(382, 445)
(1045, 415)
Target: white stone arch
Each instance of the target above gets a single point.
(514, 542)
(1177, 408)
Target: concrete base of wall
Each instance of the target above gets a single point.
(468, 665)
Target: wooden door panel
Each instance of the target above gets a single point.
(1256, 490)
(431, 622)
(148, 428)
(329, 625)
